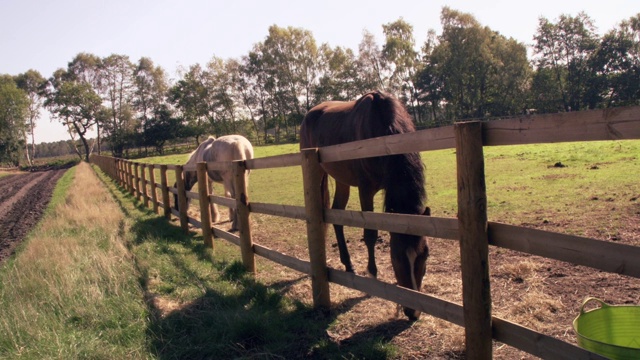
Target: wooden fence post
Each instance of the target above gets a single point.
(143, 186)
(112, 167)
(242, 214)
(165, 192)
(474, 243)
(203, 193)
(312, 175)
(130, 178)
(123, 173)
(182, 199)
(136, 182)
(118, 171)
(154, 194)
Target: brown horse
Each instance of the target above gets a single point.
(224, 148)
(401, 176)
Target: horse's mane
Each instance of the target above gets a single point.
(404, 176)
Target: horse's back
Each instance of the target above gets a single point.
(327, 124)
(230, 148)
(225, 148)
(335, 122)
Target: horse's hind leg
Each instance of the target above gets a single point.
(370, 236)
(340, 200)
(230, 192)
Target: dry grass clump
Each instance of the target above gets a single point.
(521, 272)
(535, 309)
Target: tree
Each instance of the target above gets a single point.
(401, 57)
(75, 104)
(14, 112)
(117, 87)
(372, 69)
(617, 64)
(150, 89)
(258, 100)
(32, 83)
(338, 75)
(565, 47)
(160, 128)
(219, 81)
(290, 57)
(191, 98)
(429, 82)
(149, 97)
(475, 72)
(87, 68)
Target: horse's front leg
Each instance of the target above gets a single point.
(215, 214)
(340, 200)
(370, 236)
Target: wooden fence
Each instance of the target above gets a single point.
(470, 228)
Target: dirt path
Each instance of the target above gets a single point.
(23, 198)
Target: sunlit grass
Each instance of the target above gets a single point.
(526, 184)
(72, 290)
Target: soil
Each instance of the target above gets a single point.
(539, 293)
(23, 198)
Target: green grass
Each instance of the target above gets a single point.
(523, 185)
(592, 195)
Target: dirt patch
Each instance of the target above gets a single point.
(23, 198)
(539, 293)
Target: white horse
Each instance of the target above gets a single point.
(224, 148)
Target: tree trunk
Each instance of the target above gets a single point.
(26, 152)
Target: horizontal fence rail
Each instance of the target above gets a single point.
(606, 124)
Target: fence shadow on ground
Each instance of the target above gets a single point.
(253, 321)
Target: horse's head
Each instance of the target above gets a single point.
(189, 180)
(409, 255)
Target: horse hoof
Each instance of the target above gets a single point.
(413, 315)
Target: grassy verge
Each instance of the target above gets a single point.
(72, 290)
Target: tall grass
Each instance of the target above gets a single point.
(72, 290)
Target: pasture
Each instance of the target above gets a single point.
(586, 188)
(133, 285)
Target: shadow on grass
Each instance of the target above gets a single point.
(237, 317)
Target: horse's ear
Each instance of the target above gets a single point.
(427, 211)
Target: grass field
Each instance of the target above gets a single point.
(587, 189)
(117, 281)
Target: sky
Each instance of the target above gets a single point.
(45, 35)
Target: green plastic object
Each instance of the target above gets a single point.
(612, 331)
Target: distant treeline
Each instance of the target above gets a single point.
(467, 71)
